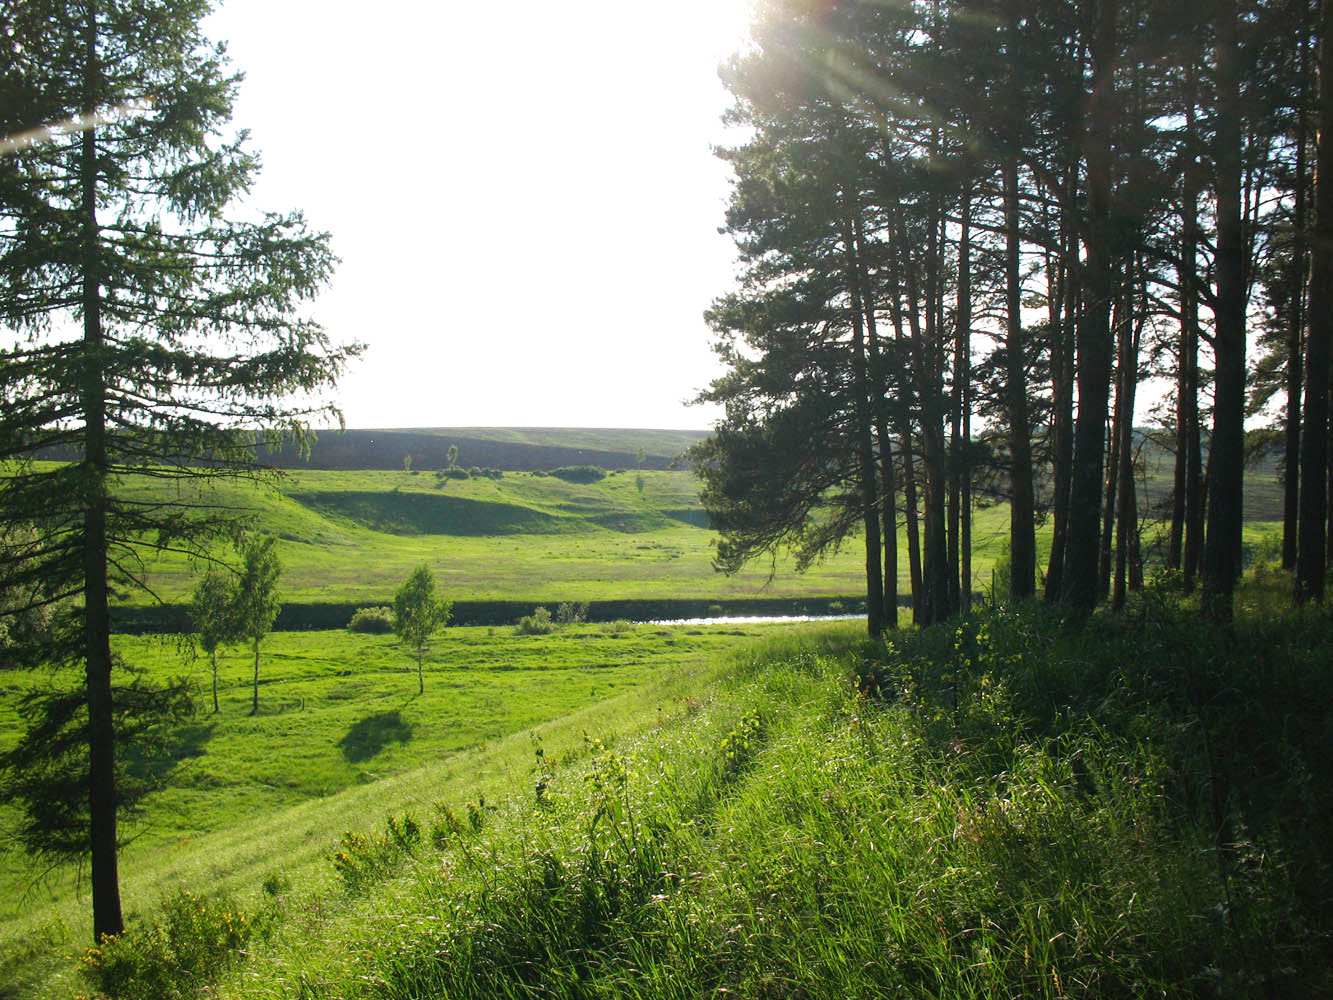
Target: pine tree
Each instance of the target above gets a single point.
(146, 331)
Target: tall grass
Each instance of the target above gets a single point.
(1010, 806)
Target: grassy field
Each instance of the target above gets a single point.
(349, 537)
(1010, 805)
(342, 737)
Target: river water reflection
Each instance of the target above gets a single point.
(751, 619)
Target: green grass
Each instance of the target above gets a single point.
(1008, 806)
(341, 737)
(352, 537)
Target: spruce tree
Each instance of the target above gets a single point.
(146, 330)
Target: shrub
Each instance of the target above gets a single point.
(187, 947)
(455, 473)
(714, 611)
(364, 859)
(475, 471)
(835, 607)
(537, 623)
(619, 627)
(579, 473)
(571, 614)
(376, 621)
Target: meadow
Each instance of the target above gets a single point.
(341, 736)
(352, 537)
(1007, 805)
(345, 759)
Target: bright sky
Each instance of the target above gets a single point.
(523, 196)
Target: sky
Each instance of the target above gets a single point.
(523, 196)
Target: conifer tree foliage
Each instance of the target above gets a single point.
(944, 169)
(147, 327)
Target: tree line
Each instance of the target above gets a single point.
(968, 232)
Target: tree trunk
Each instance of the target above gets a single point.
(1295, 339)
(213, 660)
(421, 677)
(880, 389)
(1094, 326)
(864, 444)
(1064, 317)
(1022, 524)
(254, 706)
(960, 494)
(104, 872)
(1127, 504)
(1312, 540)
(1227, 459)
(904, 415)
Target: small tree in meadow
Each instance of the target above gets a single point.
(257, 604)
(417, 614)
(213, 610)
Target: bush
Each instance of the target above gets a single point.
(579, 473)
(376, 621)
(187, 947)
(571, 614)
(364, 859)
(537, 623)
(619, 627)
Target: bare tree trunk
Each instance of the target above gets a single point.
(1295, 338)
(1312, 541)
(1226, 483)
(1188, 401)
(960, 554)
(887, 487)
(104, 863)
(1127, 503)
(1022, 523)
(1094, 329)
(904, 414)
(864, 444)
(1064, 317)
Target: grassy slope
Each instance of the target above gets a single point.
(1021, 807)
(341, 738)
(354, 536)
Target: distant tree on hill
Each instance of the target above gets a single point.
(452, 456)
(257, 603)
(418, 614)
(213, 612)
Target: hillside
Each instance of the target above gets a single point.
(507, 448)
(1011, 805)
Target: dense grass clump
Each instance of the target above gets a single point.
(1010, 805)
(374, 621)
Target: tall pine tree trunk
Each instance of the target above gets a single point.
(1022, 525)
(104, 864)
(960, 498)
(1312, 541)
(1127, 502)
(1227, 453)
(1094, 325)
(880, 390)
(1295, 338)
(864, 408)
(1064, 317)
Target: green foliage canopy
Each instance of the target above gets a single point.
(417, 614)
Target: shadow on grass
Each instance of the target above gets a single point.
(372, 734)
